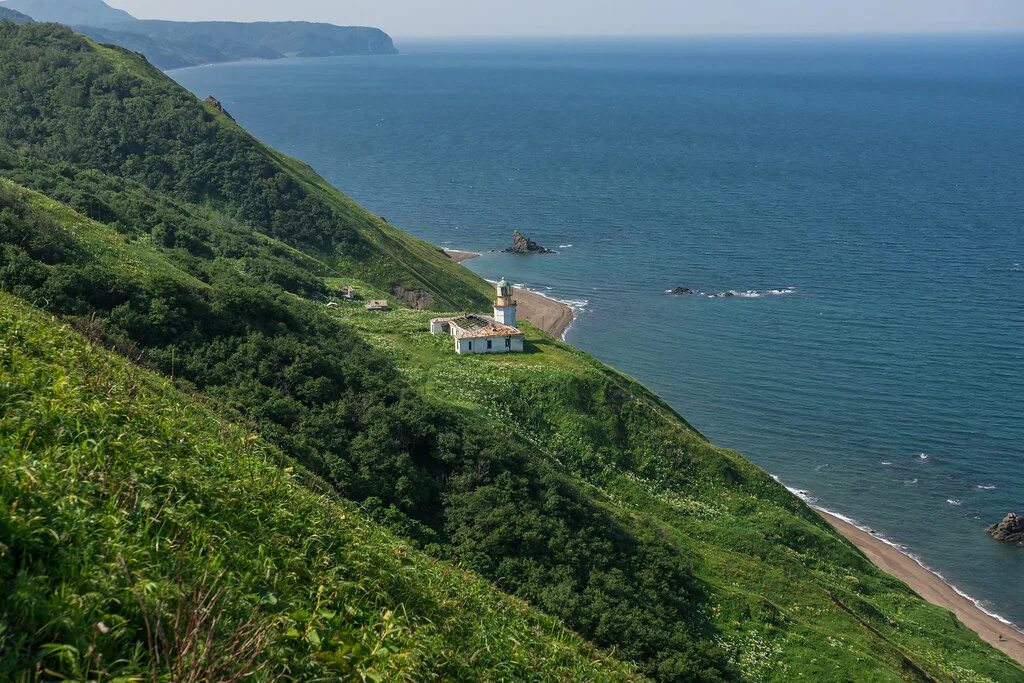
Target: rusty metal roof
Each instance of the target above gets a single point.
(474, 326)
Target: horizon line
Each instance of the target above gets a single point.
(1013, 33)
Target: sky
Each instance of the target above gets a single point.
(525, 18)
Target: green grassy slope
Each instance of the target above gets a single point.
(194, 250)
(317, 390)
(789, 597)
(136, 524)
(67, 99)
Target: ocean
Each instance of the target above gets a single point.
(862, 198)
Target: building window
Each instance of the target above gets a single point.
(508, 342)
(470, 347)
(488, 344)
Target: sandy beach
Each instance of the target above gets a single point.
(554, 317)
(932, 588)
(550, 315)
(460, 256)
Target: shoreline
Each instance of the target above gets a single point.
(931, 586)
(555, 317)
(551, 315)
(460, 256)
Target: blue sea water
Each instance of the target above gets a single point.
(866, 196)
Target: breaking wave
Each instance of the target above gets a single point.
(745, 294)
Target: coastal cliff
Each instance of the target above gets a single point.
(180, 366)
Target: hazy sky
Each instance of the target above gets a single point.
(606, 17)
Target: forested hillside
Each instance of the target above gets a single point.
(66, 99)
(154, 226)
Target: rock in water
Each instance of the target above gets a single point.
(522, 244)
(681, 291)
(1010, 530)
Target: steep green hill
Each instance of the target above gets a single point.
(66, 99)
(141, 532)
(156, 227)
(214, 316)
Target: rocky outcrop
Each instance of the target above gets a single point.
(215, 103)
(1010, 530)
(521, 244)
(680, 291)
(420, 299)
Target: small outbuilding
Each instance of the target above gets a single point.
(378, 305)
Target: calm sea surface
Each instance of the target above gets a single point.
(865, 199)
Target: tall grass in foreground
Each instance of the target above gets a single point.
(142, 537)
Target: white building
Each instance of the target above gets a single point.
(475, 333)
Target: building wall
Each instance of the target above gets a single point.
(506, 315)
(497, 345)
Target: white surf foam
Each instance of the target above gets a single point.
(578, 306)
(747, 294)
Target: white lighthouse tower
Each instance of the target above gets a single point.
(505, 305)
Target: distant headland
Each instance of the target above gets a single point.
(180, 44)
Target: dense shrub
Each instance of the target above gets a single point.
(62, 100)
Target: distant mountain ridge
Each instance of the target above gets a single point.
(90, 12)
(177, 44)
(12, 15)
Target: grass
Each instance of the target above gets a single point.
(142, 536)
(791, 597)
